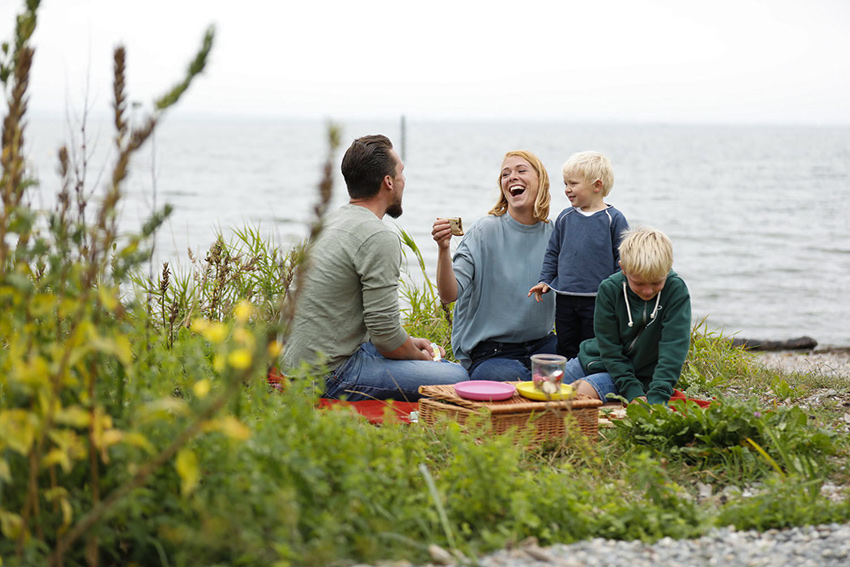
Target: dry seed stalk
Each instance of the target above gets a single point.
(11, 153)
(325, 191)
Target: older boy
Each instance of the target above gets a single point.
(643, 326)
(582, 250)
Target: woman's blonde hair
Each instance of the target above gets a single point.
(541, 205)
(646, 252)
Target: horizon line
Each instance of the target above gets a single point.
(177, 114)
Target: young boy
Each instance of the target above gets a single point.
(643, 326)
(582, 250)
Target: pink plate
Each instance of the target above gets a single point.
(485, 390)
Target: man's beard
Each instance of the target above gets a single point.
(395, 210)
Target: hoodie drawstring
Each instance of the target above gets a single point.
(657, 301)
(629, 309)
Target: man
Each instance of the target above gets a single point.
(347, 318)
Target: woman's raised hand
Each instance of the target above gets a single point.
(442, 233)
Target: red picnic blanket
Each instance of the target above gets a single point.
(374, 410)
(679, 395)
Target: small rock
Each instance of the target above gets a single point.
(439, 555)
(538, 553)
(705, 490)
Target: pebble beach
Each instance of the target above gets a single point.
(833, 362)
(809, 546)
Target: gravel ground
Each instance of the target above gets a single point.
(808, 546)
(820, 546)
(835, 362)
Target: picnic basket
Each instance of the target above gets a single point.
(542, 421)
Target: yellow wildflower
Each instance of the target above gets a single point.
(240, 358)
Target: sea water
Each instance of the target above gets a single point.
(758, 215)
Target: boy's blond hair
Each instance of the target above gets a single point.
(591, 166)
(646, 252)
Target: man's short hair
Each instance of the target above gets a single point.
(591, 166)
(646, 252)
(365, 164)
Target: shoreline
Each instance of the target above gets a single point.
(832, 362)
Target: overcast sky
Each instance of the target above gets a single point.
(752, 61)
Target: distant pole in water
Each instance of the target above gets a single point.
(403, 136)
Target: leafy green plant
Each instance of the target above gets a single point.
(725, 433)
(657, 507)
(781, 389)
(783, 503)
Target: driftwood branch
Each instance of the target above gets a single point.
(801, 343)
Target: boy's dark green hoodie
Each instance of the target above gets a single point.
(646, 357)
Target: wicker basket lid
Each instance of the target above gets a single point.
(514, 404)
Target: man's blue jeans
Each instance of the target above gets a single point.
(368, 375)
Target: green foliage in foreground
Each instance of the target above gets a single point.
(315, 488)
(143, 432)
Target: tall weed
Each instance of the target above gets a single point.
(713, 362)
(67, 366)
(248, 267)
(423, 312)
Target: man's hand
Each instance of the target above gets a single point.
(641, 398)
(538, 291)
(413, 349)
(427, 347)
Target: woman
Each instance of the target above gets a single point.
(496, 329)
